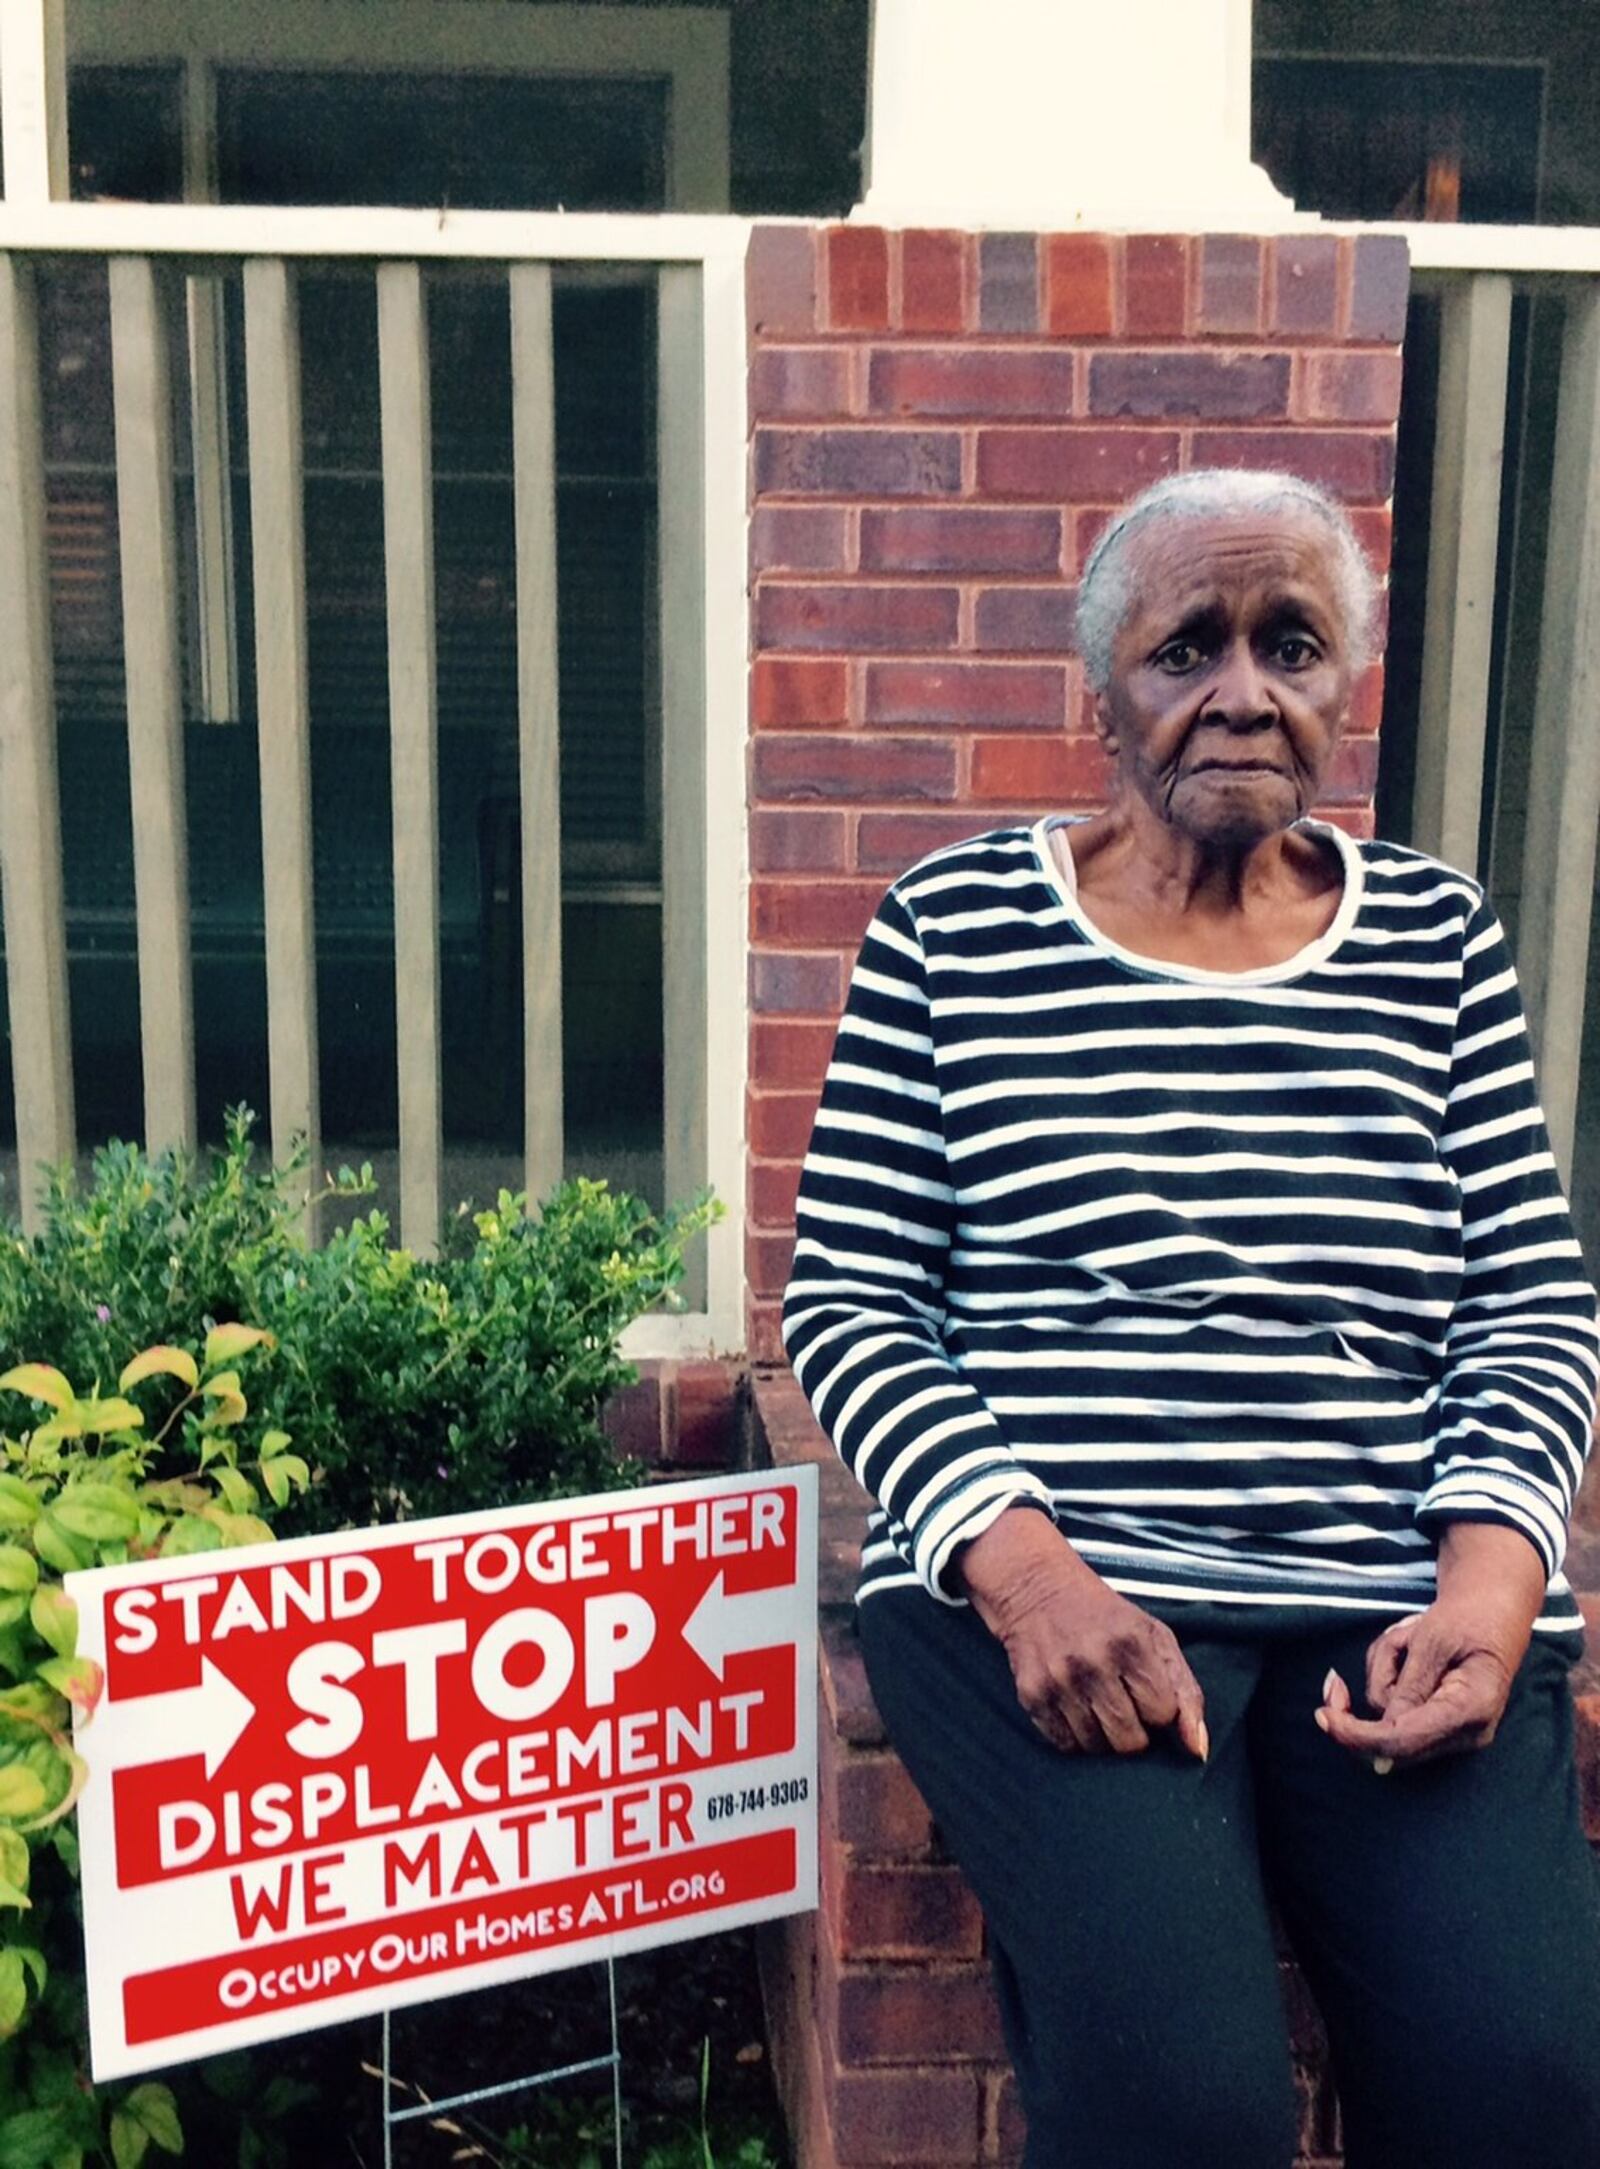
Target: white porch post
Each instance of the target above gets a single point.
(1059, 113)
(33, 100)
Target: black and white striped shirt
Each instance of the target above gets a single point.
(1253, 1279)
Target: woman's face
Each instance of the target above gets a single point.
(1230, 674)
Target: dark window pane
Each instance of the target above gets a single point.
(1382, 139)
(125, 132)
(483, 142)
(605, 363)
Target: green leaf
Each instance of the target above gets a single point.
(130, 2142)
(190, 1534)
(224, 1343)
(13, 1993)
(239, 1528)
(51, 1434)
(296, 1471)
(30, 1703)
(98, 1512)
(22, 1795)
(70, 1774)
(157, 2111)
(238, 1493)
(55, 1619)
(14, 1858)
(273, 1443)
(58, 1548)
(19, 1569)
(80, 1679)
(98, 1419)
(19, 1503)
(40, 1383)
(34, 1961)
(160, 1361)
(276, 1478)
(13, 1608)
(12, 1894)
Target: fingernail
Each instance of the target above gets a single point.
(1382, 1765)
(1205, 1742)
(1329, 1684)
(1322, 1719)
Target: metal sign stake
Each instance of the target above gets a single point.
(612, 2062)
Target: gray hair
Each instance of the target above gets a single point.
(1106, 590)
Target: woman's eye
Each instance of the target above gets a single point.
(1178, 655)
(1295, 652)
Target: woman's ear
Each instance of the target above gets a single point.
(1105, 730)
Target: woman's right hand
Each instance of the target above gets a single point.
(1094, 1672)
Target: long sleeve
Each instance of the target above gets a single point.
(1517, 1403)
(863, 1315)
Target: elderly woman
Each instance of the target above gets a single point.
(1183, 1268)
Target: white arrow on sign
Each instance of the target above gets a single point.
(205, 1720)
(722, 1626)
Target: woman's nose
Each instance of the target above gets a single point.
(1240, 691)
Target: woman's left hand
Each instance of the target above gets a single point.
(1440, 1679)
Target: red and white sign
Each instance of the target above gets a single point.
(344, 1773)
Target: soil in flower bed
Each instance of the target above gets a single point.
(687, 2014)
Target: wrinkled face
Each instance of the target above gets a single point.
(1230, 675)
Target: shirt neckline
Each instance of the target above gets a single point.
(1061, 879)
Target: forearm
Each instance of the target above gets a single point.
(1485, 1562)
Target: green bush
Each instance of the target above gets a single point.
(393, 1387)
(411, 1387)
(93, 1483)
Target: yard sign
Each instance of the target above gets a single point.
(344, 1773)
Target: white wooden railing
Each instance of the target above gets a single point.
(698, 269)
(1476, 270)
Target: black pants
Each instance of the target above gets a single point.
(1447, 1916)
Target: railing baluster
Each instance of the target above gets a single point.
(1564, 767)
(33, 101)
(538, 709)
(30, 815)
(1464, 533)
(680, 467)
(153, 664)
(277, 540)
(413, 738)
(213, 502)
(205, 298)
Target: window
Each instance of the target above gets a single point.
(1400, 139)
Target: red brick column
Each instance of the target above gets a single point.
(940, 424)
